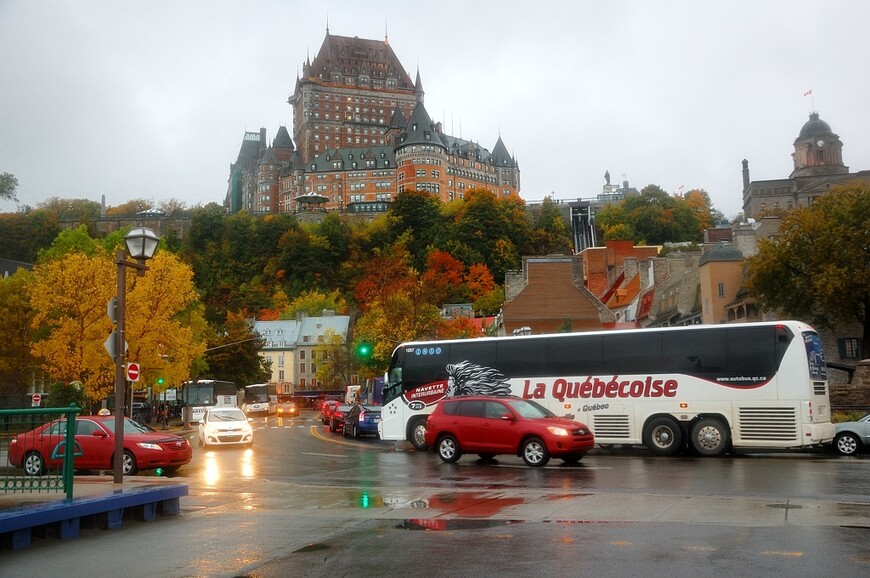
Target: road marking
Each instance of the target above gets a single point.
(778, 553)
(701, 548)
(323, 455)
(622, 543)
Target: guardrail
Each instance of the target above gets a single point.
(43, 454)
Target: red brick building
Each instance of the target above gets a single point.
(362, 134)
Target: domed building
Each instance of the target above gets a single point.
(818, 165)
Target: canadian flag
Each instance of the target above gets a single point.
(809, 92)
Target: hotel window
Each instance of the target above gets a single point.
(301, 354)
(721, 289)
(301, 368)
(280, 375)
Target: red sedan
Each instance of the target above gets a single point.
(42, 448)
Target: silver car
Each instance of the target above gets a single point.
(850, 437)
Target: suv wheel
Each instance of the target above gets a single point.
(448, 449)
(535, 453)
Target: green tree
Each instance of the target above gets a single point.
(549, 232)
(63, 394)
(314, 302)
(8, 186)
(85, 210)
(653, 217)
(417, 215)
(232, 353)
(817, 267)
(24, 234)
(335, 364)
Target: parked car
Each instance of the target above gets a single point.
(851, 437)
(288, 409)
(326, 410)
(221, 426)
(41, 449)
(362, 420)
(337, 416)
(489, 426)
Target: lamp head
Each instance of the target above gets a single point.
(141, 243)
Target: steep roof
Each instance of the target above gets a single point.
(500, 155)
(420, 129)
(282, 139)
(345, 56)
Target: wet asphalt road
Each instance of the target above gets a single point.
(304, 502)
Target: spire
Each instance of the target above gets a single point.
(386, 33)
(418, 86)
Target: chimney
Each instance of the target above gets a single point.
(745, 174)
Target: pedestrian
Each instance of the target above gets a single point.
(164, 416)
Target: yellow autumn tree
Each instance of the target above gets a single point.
(70, 295)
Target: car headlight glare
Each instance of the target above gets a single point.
(557, 431)
(148, 446)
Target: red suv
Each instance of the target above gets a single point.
(488, 426)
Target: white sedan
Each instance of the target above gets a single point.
(221, 426)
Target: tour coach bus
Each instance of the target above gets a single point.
(708, 387)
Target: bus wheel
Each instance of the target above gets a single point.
(418, 433)
(709, 437)
(663, 436)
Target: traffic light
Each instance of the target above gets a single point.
(160, 381)
(364, 350)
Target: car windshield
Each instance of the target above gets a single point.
(233, 415)
(130, 426)
(530, 409)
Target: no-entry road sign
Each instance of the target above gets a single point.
(133, 371)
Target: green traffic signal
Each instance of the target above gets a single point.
(364, 350)
(160, 381)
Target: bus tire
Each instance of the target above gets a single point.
(448, 449)
(417, 433)
(663, 436)
(710, 437)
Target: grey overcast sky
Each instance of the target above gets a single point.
(150, 99)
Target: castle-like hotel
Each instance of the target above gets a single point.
(362, 134)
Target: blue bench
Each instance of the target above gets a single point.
(63, 518)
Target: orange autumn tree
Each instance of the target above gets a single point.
(445, 277)
(396, 304)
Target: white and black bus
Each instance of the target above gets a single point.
(711, 388)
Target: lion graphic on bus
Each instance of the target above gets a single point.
(467, 378)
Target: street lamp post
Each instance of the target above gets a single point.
(141, 243)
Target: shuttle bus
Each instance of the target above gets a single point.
(261, 398)
(710, 388)
(197, 395)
